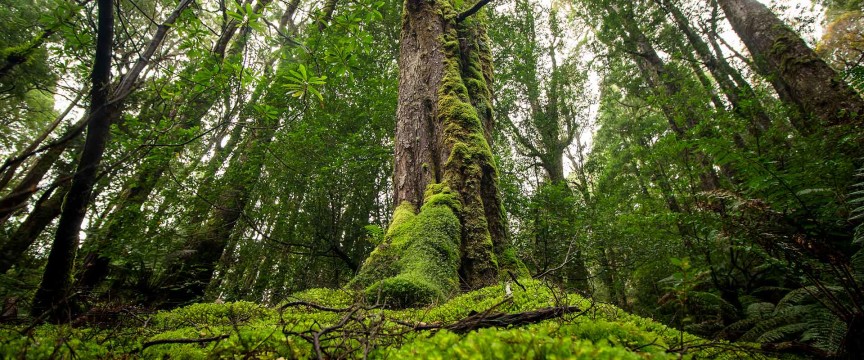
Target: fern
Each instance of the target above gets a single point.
(759, 310)
(826, 331)
(769, 324)
(798, 316)
(856, 201)
(782, 333)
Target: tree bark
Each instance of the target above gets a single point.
(782, 55)
(681, 116)
(187, 278)
(11, 165)
(443, 115)
(52, 295)
(29, 184)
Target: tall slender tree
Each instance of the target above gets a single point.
(52, 295)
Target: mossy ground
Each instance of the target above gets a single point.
(253, 331)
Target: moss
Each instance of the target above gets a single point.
(384, 260)
(452, 220)
(603, 331)
(470, 156)
(417, 263)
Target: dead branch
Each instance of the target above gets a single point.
(182, 341)
(312, 305)
(484, 320)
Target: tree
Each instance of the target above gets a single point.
(781, 54)
(449, 223)
(542, 107)
(106, 105)
(53, 294)
(740, 95)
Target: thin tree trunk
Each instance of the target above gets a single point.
(187, 281)
(46, 210)
(666, 85)
(53, 293)
(11, 165)
(723, 74)
(28, 185)
(122, 223)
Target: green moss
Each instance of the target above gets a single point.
(418, 262)
(470, 156)
(452, 220)
(253, 331)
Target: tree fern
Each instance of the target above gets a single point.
(825, 330)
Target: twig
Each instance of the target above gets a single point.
(513, 277)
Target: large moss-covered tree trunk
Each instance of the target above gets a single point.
(448, 228)
(798, 71)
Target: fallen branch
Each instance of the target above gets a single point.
(486, 320)
(480, 321)
(790, 347)
(312, 305)
(182, 341)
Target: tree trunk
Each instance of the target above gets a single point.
(11, 165)
(28, 185)
(780, 54)
(187, 278)
(46, 210)
(444, 166)
(723, 74)
(51, 297)
(123, 223)
(443, 113)
(673, 101)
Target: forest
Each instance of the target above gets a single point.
(484, 179)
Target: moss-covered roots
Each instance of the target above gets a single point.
(417, 263)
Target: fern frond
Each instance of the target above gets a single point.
(759, 310)
(826, 331)
(767, 325)
(741, 325)
(799, 295)
(786, 332)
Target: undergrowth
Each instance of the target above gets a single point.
(338, 324)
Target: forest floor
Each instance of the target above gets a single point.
(534, 321)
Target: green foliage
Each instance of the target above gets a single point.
(250, 330)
